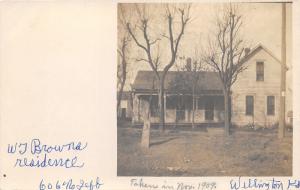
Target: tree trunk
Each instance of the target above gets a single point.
(226, 113)
(145, 141)
(120, 93)
(161, 105)
(124, 75)
(193, 111)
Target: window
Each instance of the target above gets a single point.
(171, 102)
(260, 71)
(200, 103)
(249, 105)
(270, 105)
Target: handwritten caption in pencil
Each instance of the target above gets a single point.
(140, 183)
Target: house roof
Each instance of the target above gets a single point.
(209, 82)
(256, 49)
(178, 82)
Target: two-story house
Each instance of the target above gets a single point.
(256, 93)
(254, 96)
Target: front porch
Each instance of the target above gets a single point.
(179, 109)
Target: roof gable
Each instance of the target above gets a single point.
(258, 48)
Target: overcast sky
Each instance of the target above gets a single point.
(261, 24)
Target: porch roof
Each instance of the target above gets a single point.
(178, 82)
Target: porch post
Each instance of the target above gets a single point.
(133, 109)
(139, 103)
(165, 106)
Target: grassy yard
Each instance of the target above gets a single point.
(179, 152)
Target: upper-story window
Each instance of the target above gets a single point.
(259, 71)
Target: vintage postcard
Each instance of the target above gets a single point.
(149, 95)
(202, 88)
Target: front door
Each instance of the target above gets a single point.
(209, 109)
(180, 115)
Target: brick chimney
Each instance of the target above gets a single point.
(247, 50)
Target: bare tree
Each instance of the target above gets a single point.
(193, 66)
(195, 75)
(145, 139)
(225, 54)
(145, 40)
(123, 57)
(122, 68)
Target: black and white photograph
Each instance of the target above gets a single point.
(204, 89)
